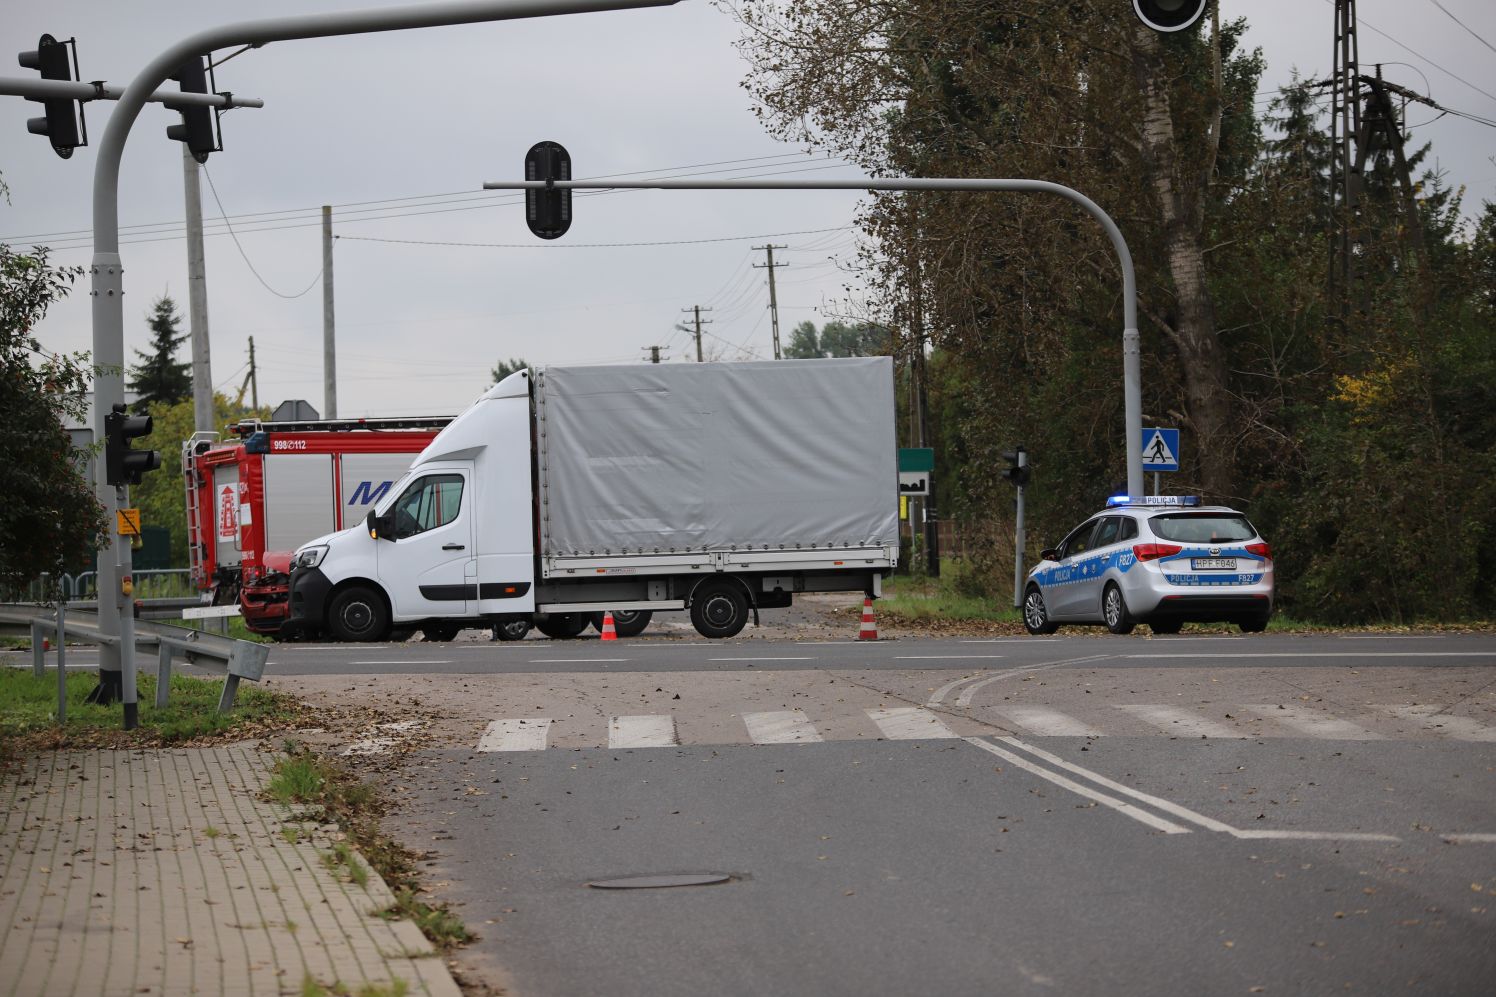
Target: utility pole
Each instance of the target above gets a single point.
(917, 330)
(254, 377)
(773, 300)
(654, 353)
(329, 347)
(698, 310)
(197, 297)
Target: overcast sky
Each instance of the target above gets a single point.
(437, 280)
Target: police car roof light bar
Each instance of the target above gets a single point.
(1120, 501)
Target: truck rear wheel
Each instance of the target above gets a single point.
(626, 622)
(358, 614)
(719, 609)
(561, 626)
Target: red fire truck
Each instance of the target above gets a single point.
(252, 500)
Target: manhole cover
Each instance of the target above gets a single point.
(661, 882)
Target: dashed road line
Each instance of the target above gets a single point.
(781, 727)
(516, 735)
(1458, 728)
(1314, 723)
(654, 731)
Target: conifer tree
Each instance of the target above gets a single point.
(160, 378)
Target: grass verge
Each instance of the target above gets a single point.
(304, 778)
(28, 713)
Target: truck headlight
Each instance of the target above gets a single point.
(310, 557)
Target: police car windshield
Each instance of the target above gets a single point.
(1202, 528)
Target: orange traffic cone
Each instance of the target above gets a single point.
(869, 629)
(608, 632)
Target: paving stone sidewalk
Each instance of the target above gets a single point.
(161, 872)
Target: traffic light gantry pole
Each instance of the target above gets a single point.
(1132, 371)
(107, 271)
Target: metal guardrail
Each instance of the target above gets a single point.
(240, 659)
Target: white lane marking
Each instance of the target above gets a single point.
(1046, 722)
(570, 661)
(1313, 836)
(760, 659)
(1185, 813)
(1329, 654)
(1158, 803)
(401, 661)
(1014, 640)
(1390, 636)
(1460, 839)
(642, 732)
(1173, 720)
(1121, 806)
(516, 735)
(780, 727)
(971, 690)
(943, 657)
(1313, 723)
(1174, 639)
(1458, 728)
(909, 723)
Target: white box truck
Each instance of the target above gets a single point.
(718, 489)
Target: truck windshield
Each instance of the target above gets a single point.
(1202, 528)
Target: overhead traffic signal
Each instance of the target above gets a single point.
(197, 124)
(548, 212)
(122, 465)
(1169, 15)
(61, 123)
(1020, 472)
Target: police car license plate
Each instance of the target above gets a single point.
(1213, 563)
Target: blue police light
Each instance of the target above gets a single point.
(1117, 501)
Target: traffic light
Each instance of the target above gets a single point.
(1169, 15)
(123, 466)
(196, 128)
(548, 212)
(61, 121)
(1020, 472)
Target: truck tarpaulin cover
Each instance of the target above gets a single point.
(779, 453)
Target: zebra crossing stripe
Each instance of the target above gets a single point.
(909, 723)
(1313, 723)
(655, 731)
(780, 727)
(516, 735)
(1457, 728)
(1047, 723)
(1176, 721)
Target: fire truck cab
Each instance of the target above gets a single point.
(252, 500)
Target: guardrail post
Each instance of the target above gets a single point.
(62, 656)
(163, 674)
(38, 662)
(230, 688)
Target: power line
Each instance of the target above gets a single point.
(1425, 58)
(245, 255)
(1462, 24)
(586, 245)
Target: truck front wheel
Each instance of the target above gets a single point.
(358, 614)
(719, 609)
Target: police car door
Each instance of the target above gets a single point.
(1065, 599)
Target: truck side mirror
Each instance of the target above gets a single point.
(379, 526)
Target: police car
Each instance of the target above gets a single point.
(1163, 560)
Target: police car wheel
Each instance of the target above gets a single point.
(1114, 611)
(1166, 626)
(1035, 616)
(1253, 626)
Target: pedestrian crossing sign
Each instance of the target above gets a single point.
(1160, 449)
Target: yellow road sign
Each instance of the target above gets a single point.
(128, 524)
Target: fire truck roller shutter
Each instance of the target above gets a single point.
(366, 479)
(226, 515)
(298, 499)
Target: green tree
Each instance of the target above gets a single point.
(159, 378)
(837, 339)
(804, 344)
(50, 521)
(507, 367)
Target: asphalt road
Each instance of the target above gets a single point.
(1082, 814)
(1079, 815)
